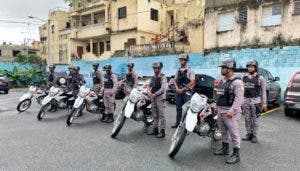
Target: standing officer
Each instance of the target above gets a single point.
(76, 81)
(230, 96)
(183, 76)
(52, 80)
(131, 80)
(52, 77)
(157, 95)
(97, 79)
(255, 99)
(70, 75)
(110, 88)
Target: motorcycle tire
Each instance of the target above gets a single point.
(180, 135)
(42, 111)
(21, 105)
(118, 124)
(71, 117)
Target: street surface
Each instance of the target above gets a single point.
(28, 144)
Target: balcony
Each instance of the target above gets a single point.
(87, 32)
(87, 5)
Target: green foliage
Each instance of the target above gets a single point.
(19, 78)
(33, 59)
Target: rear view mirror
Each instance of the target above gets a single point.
(277, 79)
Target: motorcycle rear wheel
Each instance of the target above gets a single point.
(177, 140)
(118, 124)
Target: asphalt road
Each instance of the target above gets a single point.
(28, 144)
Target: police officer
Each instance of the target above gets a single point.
(131, 80)
(52, 80)
(52, 77)
(76, 81)
(229, 94)
(97, 79)
(157, 95)
(110, 87)
(255, 99)
(70, 75)
(183, 76)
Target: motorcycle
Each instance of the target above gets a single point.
(198, 117)
(35, 92)
(57, 97)
(137, 106)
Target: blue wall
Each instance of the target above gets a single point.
(282, 62)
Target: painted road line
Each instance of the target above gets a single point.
(270, 111)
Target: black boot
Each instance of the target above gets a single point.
(254, 139)
(162, 134)
(248, 137)
(222, 151)
(110, 118)
(154, 131)
(235, 156)
(175, 125)
(103, 118)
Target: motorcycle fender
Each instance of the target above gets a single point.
(129, 109)
(46, 100)
(191, 120)
(26, 96)
(216, 117)
(78, 102)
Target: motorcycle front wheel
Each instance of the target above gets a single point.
(118, 124)
(177, 140)
(43, 111)
(71, 116)
(24, 105)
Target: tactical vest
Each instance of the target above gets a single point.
(224, 93)
(96, 80)
(108, 82)
(252, 87)
(182, 78)
(129, 79)
(155, 84)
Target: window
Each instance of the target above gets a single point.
(15, 53)
(243, 15)
(154, 14)
(122, 12)
(271, 16)
(226, 21)
(296, 7)
(131, 42)
(108, 46)
(0, 52)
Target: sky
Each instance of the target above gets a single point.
(18, 11)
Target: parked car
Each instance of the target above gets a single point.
(204, 85)
(273, 88)
(292, 95)
(4, 84)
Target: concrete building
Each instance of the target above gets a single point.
(99, 29)
(8, 52)
(52, 48)
(240, 23)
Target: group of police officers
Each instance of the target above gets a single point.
(234, 96)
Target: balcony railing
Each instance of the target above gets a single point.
(164, 48)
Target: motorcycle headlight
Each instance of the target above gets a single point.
(135, 95)
(32, 89)
(53, 91)
(198, 102)
(83, 91)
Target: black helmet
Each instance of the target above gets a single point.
(107, 67)
(51, 66)
(252, 62)
(228, 63)
(157, 64)
(76, 68)
(96, 65)
(183, 56)
(70, 67)
(130, 64)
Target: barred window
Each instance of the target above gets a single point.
(243, 15)
(296, 7)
